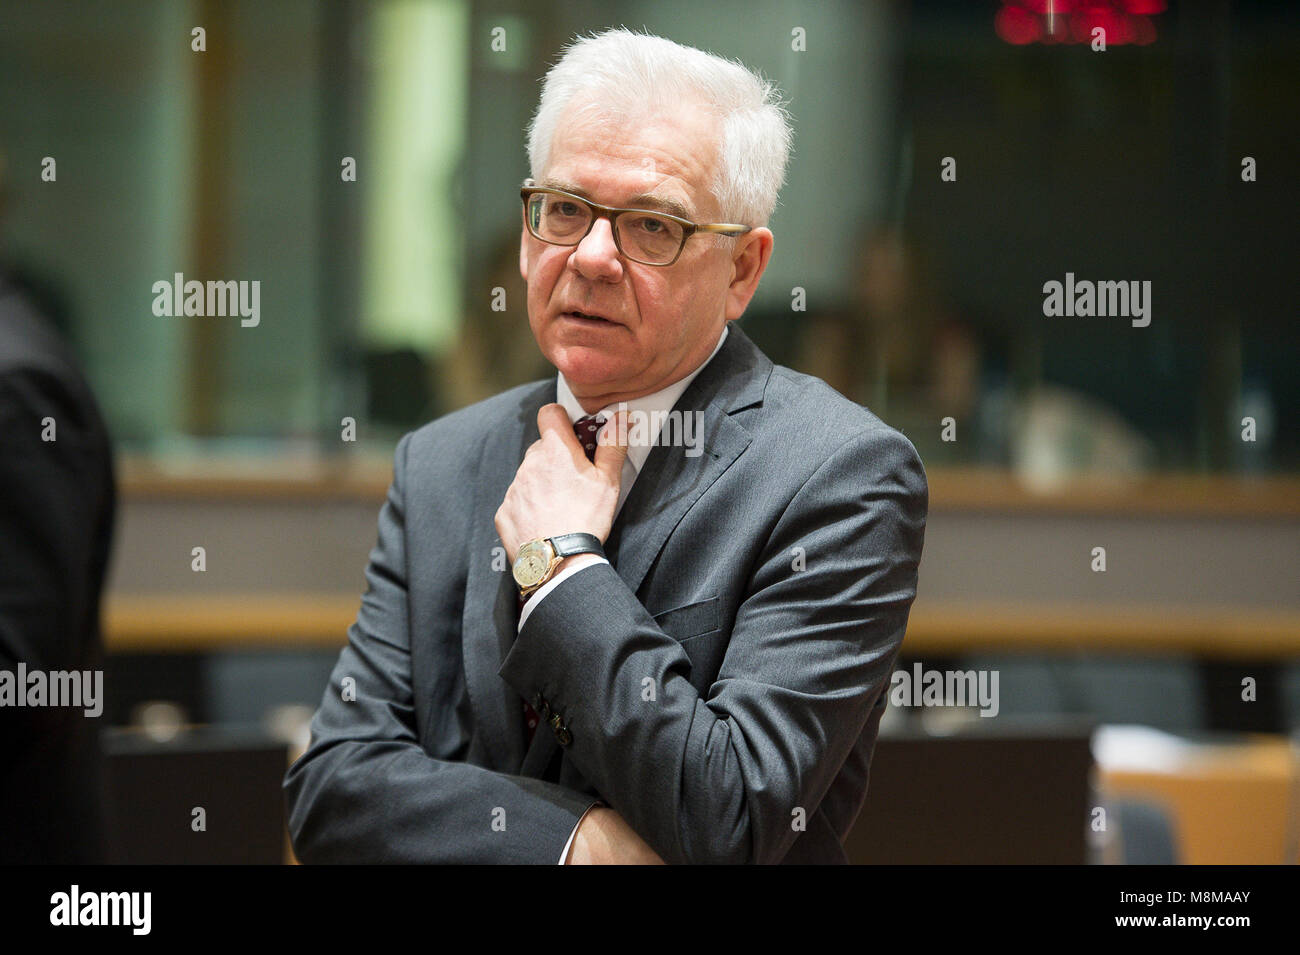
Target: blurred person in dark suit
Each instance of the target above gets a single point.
(56, 521)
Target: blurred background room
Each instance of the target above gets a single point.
(1114, 506)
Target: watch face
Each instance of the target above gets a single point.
(532, 563)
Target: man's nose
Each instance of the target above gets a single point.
(596, 256)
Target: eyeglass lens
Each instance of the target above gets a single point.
(641, 235)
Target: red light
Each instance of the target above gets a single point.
(1084, 23)
(1072, 21)
(1016, 25)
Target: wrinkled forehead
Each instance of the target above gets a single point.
(627, 154)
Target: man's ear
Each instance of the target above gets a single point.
(752, 253)
(523, 253)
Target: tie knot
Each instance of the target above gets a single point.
(586, 428)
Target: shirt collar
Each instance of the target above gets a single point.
(661, 401)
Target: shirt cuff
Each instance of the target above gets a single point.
(565, 854)
(551, 584)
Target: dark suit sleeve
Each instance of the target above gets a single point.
(56, 511)
(52, 495)
(723, 778)
(366, 791)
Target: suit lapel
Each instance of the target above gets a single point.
(670, 482)
(490, 617)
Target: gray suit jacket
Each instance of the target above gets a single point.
(720, 684)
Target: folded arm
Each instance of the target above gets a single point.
(367, 791)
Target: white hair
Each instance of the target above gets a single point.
(632, 75)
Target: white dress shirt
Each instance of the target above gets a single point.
(661, 401)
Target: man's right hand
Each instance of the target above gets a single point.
(605, 838)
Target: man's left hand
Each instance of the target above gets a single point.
(557, 490)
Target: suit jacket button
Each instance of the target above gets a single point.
(562, 734)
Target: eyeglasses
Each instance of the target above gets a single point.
(651, 238)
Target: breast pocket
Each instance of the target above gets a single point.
(692, 620)
(698, 628)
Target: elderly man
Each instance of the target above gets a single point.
(596, 631)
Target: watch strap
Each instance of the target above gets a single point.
(567, 545)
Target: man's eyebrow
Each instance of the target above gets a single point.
(663, 204)
(643, 201)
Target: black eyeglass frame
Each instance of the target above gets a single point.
(612, 213)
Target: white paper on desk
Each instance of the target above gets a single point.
(1141, 748)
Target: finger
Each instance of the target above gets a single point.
(611, 448)
(553, 419)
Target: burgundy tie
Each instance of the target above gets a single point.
(586, 428)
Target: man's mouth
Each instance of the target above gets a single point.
(588, 317)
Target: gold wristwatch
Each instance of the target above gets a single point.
(537, 559)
